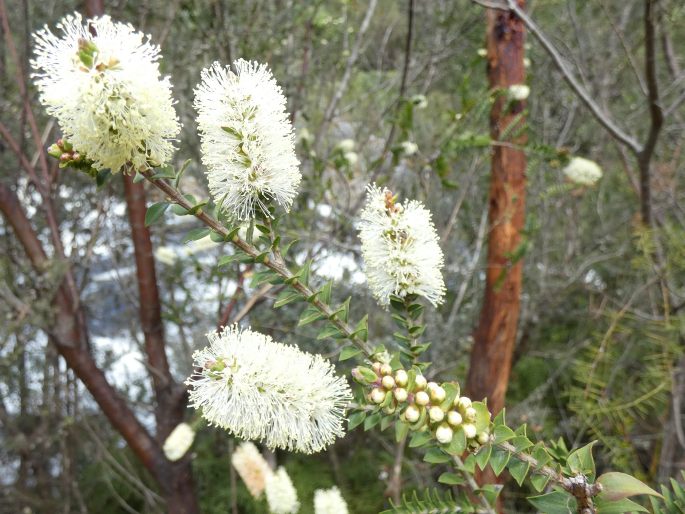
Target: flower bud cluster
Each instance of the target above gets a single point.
(422, 404)
(70, 157)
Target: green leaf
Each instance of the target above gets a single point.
(269, 276)
(499, 460)
(451, 392)
(556, 502)
(470, 464)
(356, 419)
(483, 456)
(521, 442)
(287, 297)
(450, 479)
(483, 417)
(310, 315)
(166, 172)
(180, 173)
(581, 461)
(617, 486)
(420, 438)
(348, 352)
(617, 507)
(154, 212)
(436, 456)
(519, 470)
(458, 443)
(539, 481)
(372, 420)
(367, 374)
(503, 433)
(196, 233)
(401, 429)
(362, 328)
(330, 331)
(325, 294)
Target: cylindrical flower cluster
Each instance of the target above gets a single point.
(583, 172)
(247, 139)
(259, 389)
(101, 81)
(251, 467)
(329, 501)
(400, 247)
(178, 442)
(423, 404)
(281, 494)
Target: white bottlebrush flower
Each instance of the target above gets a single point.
(251, 467)
(179, 441)
(583, 171)
(419, 101)
(351, 157)
(281, 494)
(248, 145)
(106, 92)
(259, 389)
(329, 501)
(526, 62)
(482, 52)
(166, 255)
(409, 147)
(345, 145)
(400, 248)
(305, 135)
(519, 92)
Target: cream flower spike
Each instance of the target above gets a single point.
(248, 145)
(329, 501)
(106, 92)
(262, 390)
(251, 467)
(583, 171)
(178, 442)
(281, 494)
(400, 248)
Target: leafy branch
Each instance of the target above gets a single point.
(272, 260)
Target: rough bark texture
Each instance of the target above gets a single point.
(495, 335)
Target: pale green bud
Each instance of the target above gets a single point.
(421, 398)
(470, 415)
(377, 395)
(463, 403)
(444, 434)
(388, 382)
(420, 382)
(437, 394)
(470, 430)
(400, 394)
(401, 378)
(454, 418)
(412, 414)
(436, 414)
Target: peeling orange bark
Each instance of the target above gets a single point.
(495, 336)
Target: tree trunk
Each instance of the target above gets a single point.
(495, 335)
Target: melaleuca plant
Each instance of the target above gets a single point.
(116, 114)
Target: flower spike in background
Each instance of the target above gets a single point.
(248, 144)
(106, 92)
(259, 389)
(251, 467)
